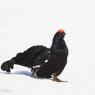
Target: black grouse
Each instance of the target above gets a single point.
(45, 62)
(58, 60)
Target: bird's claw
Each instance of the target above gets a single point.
(34, 70)
(57, 80)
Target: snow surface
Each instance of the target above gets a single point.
(24, 23)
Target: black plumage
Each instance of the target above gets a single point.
(58, 60)
(36, 55)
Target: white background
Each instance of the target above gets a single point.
(24, 23)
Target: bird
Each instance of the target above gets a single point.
(58, 59)
(44, 62)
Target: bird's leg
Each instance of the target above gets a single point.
(33, 72)
(34, 69)
(54, 76)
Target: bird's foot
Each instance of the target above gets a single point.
(34, 70)
(57, 80)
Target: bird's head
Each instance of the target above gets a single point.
(58, 39)
(60, 34)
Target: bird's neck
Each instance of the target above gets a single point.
(58, 44)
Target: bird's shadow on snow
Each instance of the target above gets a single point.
(25, 73)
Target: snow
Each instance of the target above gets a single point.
(20, 82)
(27, 23)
